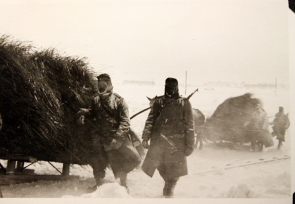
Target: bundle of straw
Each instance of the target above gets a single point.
(40, 94)
(229, 120)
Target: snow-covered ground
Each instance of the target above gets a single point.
(216, 172)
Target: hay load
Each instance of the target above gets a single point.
(40, 93)
(229, 121)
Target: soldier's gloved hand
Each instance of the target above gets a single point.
(188, 151)
(96, 99)
(80, 116)
(145, 144)
(115, 144)
(81, 120)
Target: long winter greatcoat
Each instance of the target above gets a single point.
(111, 120)
(258, 128)
(171, 131)
(280, 124)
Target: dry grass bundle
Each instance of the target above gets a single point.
(229, 120)
(40, 94)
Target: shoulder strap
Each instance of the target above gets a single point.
(167, 104)
(107, 109)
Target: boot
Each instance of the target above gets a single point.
(201, 145)
(279, 145)
(260, 147)
(99, 182)
(169, 187)
(165, 190)
(91, 189)
(168, 191)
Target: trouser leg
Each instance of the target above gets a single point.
(169, 187)
(162, 170)
(201, 143)
(165, 189)
(280, 144)
(260, 146)
(98, 162)
(123, 180)
(170, 183)
(253, 144)
(120, 166)
(197, 141)
(98, 173)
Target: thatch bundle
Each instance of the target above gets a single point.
(40, 94)
(229, 120)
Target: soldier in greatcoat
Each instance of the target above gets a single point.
(280, 123)
(258, 129)
(109, 115)
(170, 130)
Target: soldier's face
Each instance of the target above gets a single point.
(102, 87)
(169, 90)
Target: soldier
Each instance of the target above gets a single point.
(199, 121)
(280, 124)
(258, 125)
(110, 116)
(170, 129)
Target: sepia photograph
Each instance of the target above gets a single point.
(147, 101)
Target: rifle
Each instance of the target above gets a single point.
(170, 102)
(192, 94)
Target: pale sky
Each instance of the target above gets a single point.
(213, 40)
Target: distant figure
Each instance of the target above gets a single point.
(199, 121)
(170, 130)
(280, 124)
(258, 124)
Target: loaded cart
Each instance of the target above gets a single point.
(40, 94)
(16, 170)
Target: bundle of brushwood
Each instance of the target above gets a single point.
(229, 121)
(40, 94)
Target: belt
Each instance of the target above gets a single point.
(178, 136)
